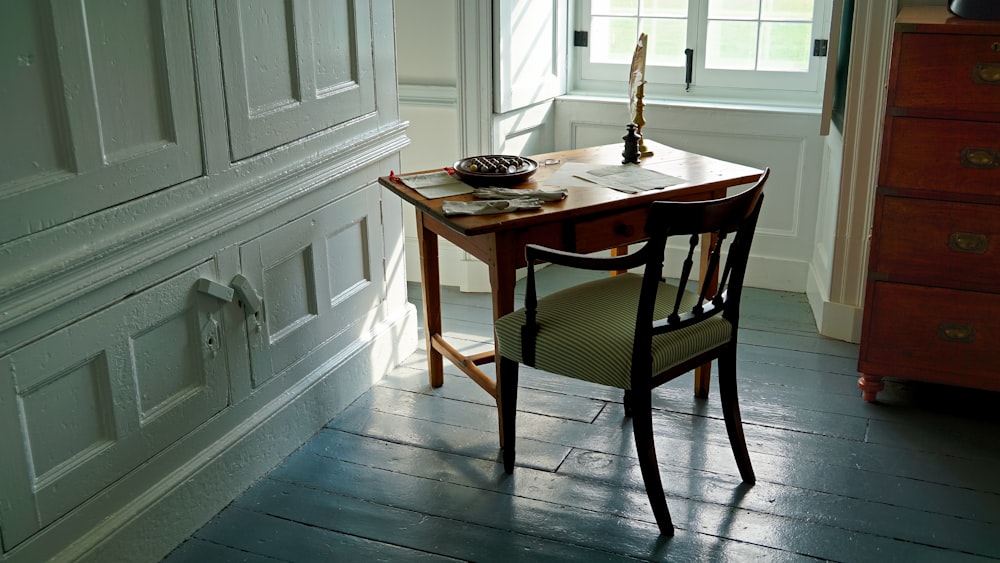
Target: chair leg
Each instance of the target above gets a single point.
(642, 426)
(627, 402)
(731, 411)
(506, 409)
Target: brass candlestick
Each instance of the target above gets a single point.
(637, 87)
(639, 120)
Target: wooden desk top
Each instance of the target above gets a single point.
(702, 174)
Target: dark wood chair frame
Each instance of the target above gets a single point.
(736, 214)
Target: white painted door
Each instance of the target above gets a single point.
(94, 400)
(92, 97)
(319, 279)
(293, 68)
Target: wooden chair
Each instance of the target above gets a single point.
(636, 332)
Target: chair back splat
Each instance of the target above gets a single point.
(714, 221)
(639, 331)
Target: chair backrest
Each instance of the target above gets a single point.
(732, 218)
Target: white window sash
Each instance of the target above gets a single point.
(589, 75)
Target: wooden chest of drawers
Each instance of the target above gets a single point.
(932, 302)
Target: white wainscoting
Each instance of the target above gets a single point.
(785, 139)
(432, 113)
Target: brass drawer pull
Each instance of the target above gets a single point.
(956, 332)
(972, 243)
(974, 157)
(987, 73)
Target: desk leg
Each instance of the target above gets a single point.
(502, 280)
(430, 276)
(619, 251)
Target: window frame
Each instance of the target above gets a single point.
(707, 84)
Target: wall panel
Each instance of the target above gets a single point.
(293, 68)
(112, 94)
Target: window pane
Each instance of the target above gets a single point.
(798, 10)
(666, 41)
(664, 8)
(612, 40)
(731, 45)
(784, 46)
(733, 9)
(614, 7)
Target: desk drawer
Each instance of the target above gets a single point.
(944, 243)
(948, 73)
(610, 231)
(936, 334)
(943, 156)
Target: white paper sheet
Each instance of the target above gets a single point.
(566, 175)
(629, 178)
(433, 185)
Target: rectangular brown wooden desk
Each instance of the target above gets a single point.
(590, 219)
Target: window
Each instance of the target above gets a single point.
(738, 46)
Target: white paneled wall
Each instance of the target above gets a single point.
(787, 141)
(198, 268)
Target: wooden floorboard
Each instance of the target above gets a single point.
(408, 472)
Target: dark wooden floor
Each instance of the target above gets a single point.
(411, 473)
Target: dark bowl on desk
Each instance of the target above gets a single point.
(495, 170)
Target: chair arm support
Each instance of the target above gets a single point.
(534, 252)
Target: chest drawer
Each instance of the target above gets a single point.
(948, 72)
(953, 156)
(942, 243)
(942, 335)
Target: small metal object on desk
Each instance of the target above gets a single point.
(631, 152)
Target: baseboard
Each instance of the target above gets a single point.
(833, 320)
(233, 451)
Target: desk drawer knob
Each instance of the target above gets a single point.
(956, 332)
(624, 230)
(974, 157)
(971, 243)
(987, 73)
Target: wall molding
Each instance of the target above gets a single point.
(419, 94)
(837, 275)
(474, 27)
(147, 230)
(833, 320)
(864, 114)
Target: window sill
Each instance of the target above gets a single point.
(780, 107)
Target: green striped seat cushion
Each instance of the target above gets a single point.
(586, 331)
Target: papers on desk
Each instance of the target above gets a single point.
(433, 185)
(628, 178)
(567, 175)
